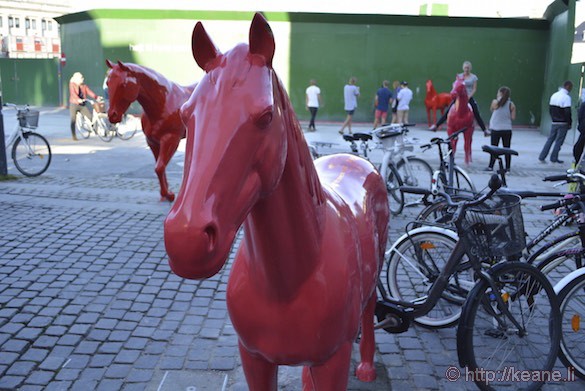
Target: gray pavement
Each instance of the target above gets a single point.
(88, 301)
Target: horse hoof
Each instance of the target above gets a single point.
(366, 372)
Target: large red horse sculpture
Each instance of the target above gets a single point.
(461, 116)
(161, 100)
(314, 234)
(435, 101)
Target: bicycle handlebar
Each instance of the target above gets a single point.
(495, 183)
(571, 176)
(438, 140)
(571, 200)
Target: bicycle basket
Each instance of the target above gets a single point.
(99, 107)
(28, 118)
(495, 228)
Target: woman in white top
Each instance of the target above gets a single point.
(503, 113)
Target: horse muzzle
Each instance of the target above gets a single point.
(114, 117)
(193, 251)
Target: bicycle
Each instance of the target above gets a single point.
(31, 151)
(449, 177)
(571, 293)
(511, 304)
(100, 125)
(396, 168)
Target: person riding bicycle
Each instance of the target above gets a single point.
(78, 92)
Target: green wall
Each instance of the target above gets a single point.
(558, 58)
(374, 48)
(333, 47)
(31, 81)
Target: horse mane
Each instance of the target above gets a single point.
(298, 152)
(151, 74)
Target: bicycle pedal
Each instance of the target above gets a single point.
(496, 333)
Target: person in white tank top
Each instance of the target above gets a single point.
(503, 113)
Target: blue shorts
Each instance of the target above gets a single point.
(349, 112)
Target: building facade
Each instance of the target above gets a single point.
(28, 28)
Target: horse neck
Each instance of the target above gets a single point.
(284, 230)
(432, 92)
(150, 95)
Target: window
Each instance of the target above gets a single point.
(17, 22)
(1, 20)
(44, 24)
(10, 21)
(34, 24)
(50, 25)
(27, 23)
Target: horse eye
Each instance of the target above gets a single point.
(264, 120)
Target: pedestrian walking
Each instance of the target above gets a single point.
(312, 102)
(560, 113)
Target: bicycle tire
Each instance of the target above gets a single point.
(31, 154)
(559, 264)
(417, 173)
(102, 128)
(123, 131)
(393, 183)
(414, 263)
(572, 307)
(485, 336)
(462, 181)
(557, 244)
(82, 127)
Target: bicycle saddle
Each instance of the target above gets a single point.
(362, 136)
(386, 133)
(498, 151)
(349, 137)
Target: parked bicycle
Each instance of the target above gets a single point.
(396, 168)
(31, 151)
(510, 318)
(571, 293)
(449, 177)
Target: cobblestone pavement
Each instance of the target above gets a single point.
(88, 301)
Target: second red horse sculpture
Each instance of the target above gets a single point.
(304, 277)
(435, 101)
(161, 100)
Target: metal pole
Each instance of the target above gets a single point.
(3, 165)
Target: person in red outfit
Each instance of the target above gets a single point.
(78, 92)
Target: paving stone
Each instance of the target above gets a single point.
(41, 378)
(21, 368)
(10, 382)
(118, 371)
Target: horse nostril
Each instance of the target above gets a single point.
(211, 232)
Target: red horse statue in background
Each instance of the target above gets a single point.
(161, 100)
(434, 102)
(461, 116)
(314, 234)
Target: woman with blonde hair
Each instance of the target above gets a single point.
(78, 92)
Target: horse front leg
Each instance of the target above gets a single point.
(261, 375)
(366, 371)
(168, 146)
(467, 138)
(333, 374)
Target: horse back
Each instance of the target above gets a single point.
(354, 183)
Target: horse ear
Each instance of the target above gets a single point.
(109, 64)
(204, 50)
(261, 38)
(123, 66)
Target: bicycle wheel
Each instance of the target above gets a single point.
(494, 344)
(557, 265)
(393, 183)
(125, 129)
(31, 154)
(414, 172)
(82, 126)
(461, 181)
(414, 263)
(572, 299)
(103, 128)
(566, 241)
